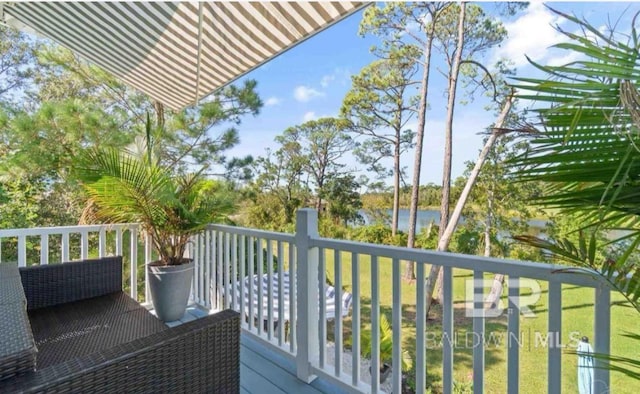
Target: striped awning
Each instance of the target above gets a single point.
(177, 52)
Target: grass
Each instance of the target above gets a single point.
(577, 320)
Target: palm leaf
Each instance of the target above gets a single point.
(585, 151)
(124, 188)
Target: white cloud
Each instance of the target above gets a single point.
(309, 116)
(304, 93)
(271, 101)
(531, 34)
(327, 79)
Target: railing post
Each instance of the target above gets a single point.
(307, 295)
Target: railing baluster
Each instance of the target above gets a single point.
(215, 284)
(194, 253)
(234, 271)
(396, 312)
(513, 335)
(207, 269)
(281, 320)
(293, 295)
(226, 272)
(252, 295)
(148, 256)
(338, 303)
(44, 249)
(64, 252)
(22, 251)
(555, 332)
(84, 245)
(602, 338)
(260, 311)
(478, 332)
(133, 233)
(355, 319)
(202, 262)
(219, 270)
(281, 311)
(447, 329)
(421, 311)
(242, 263)
(102, 243)
(118, 242)
(375, 325)
(322, 321)
(199, 247)
(269, 289)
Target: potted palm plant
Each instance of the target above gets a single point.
(127, 187)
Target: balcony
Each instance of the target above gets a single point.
(297, 354)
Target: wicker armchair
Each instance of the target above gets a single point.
(92, 337)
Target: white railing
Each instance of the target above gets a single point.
(294, 321)
(225, 256)
(45, 245)
(220, 248)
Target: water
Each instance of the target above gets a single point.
(426, 216)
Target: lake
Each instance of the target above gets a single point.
(426, 216)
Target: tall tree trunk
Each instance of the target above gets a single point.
(488, 224)
(443, 242)
(448, 135)
(496, 288)
(409, 272)
(396, 185)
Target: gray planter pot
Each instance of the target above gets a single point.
(170, 287)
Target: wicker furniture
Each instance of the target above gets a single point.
(92, 337)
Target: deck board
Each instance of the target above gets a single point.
(253, 382)
(266, 368)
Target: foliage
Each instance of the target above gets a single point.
(386, 345)
(68, 105)
(277, 191)
(16, 64)
(379, 107)
(585, 147)
(378, 234)
(316, 146)
(498, 206)
(343, 197)
(170, 206)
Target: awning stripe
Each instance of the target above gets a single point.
(154, 46)
(97, 55)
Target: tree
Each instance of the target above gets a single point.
(188, 137)
(503, 205)
(16, 64)
(584, 145)
(379, 107)
(320, 144)
(343, 196)
(71, 105)
(278, 190)
(391, 24)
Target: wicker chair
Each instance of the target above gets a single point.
(92, 337)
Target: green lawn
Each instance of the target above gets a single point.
(577, 320)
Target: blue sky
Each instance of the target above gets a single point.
(310, 81)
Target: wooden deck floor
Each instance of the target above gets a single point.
(263, 371)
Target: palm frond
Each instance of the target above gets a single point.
(586, 152)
